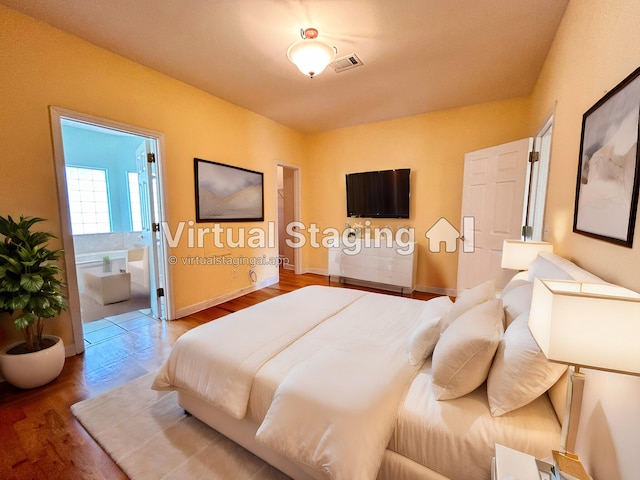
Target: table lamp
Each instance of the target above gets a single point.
(518, 254)
(592, 325)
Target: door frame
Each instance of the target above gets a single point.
(297, 252)
(57, 114)
(542, 145)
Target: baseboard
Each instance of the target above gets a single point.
(212, 302)
(315, 271)
(451, 292)
(374, 285)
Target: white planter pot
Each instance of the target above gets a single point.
(30, 370)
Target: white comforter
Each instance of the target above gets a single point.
(218, 360)
(335, 409)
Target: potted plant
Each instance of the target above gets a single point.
(30, 291)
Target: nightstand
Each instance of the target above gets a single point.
(509, 464)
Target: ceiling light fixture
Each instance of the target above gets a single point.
(311, 56)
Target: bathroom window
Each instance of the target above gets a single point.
(88, 200)
(134, 202)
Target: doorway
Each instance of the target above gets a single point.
(288, 203)
(110, 198)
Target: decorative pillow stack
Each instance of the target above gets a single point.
(474, 346)
(472, 331)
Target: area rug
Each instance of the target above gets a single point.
(150, 437)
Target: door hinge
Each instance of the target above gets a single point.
(534, 156)
(160, 292)
(151, 158)
(155, 227)
(527, 231)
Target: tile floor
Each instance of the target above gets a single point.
(109, 327)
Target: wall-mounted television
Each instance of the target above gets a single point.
(382, 194)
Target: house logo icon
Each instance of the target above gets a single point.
(442, 232)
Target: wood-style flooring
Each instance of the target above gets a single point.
(41, 439)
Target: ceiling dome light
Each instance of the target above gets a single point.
(311, 56)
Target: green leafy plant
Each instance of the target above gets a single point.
(29, 278)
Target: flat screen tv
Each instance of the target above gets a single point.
(382, 194)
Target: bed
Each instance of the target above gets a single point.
(327, 382)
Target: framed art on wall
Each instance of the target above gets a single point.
(225, 193)
(607, 184)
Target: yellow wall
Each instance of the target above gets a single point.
(597, 46)
(433, 147)
(41, 66)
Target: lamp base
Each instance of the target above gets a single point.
(572, 408)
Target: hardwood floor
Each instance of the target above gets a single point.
(41, 439)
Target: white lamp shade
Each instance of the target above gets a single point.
(518, 255)
(587, 324)
(311, 56)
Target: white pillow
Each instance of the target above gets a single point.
(544, 267)
(518, 279)
(463, 355)
(517, 301)
(468, 299)
(570, 268)
(520, 372)
(425, 336)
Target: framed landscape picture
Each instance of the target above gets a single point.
(607, 184)
(225, 193)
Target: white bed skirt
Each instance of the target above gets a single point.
(394, 466)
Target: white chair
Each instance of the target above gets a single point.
(138, 265)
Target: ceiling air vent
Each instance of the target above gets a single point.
(346, 63)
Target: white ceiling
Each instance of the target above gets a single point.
(419, 55)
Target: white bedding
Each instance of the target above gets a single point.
(335, 411)
(254, 363)
(456, 437)
(218, 360)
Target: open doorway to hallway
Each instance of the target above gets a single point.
(288, 214)
(110, 193)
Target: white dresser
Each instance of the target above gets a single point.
(384, 264)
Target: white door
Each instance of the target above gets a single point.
(149, 206)
(493, 196)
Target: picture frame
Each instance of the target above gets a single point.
(225, 193)
(606, 199)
